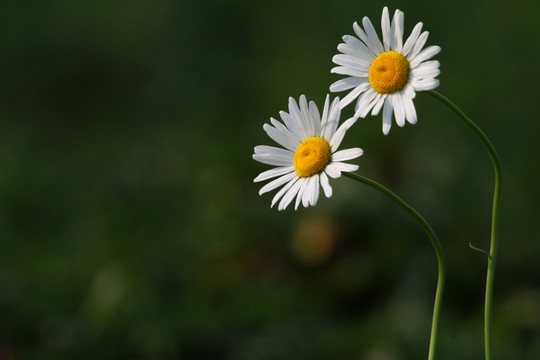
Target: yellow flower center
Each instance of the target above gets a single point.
(389, 72)
(311, 156)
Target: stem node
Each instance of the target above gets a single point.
(478, 249)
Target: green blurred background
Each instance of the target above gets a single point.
(130, 226)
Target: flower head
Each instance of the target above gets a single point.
(385, 75)
(309, 154)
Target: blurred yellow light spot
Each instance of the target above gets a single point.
(315, 240)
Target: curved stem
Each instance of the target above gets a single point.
(492, 256)
(434, 241)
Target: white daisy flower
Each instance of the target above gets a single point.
(385, 75)
(309, 154)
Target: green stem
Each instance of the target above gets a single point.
(492, 255)
(434, 241)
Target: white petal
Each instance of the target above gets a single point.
(362, 35)
(420, 42)
(366, 103)
(347, 154)
(306, 196)
(425, 84)
(273, 156)
(324, 117)
(344, 70)
(425, 54)
(378, 105)
(272, 160)
(411, 40)
(293, 140)
(397, 26)
(300, 195)
(332, 120)
(332, 171)
(306, 115)
(281, 138)
(374, 41)
(399, 110)
(335, 141)
(314, 191)
(425, 67)
(334, 115)
(283, 190)
(364, 99)
(355, 47)
(312, 114)
(296, 115)
(268, 174)
(425, 73)
(385, 27)
(274, 184)
(387, 116)
(292, 125)
(325, 184)
(291, 193)
(353, 94)
(344, 167)
(409, 91)
(315, 116)
(272, 150)
(352, 62)
(346, 84)
(410, 111)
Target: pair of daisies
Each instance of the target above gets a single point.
(383, 76)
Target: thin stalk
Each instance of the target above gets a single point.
(492, 255)
(434, 241)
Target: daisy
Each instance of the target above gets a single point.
(309, 154)
(385, 75)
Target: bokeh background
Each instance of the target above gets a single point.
(130, 226)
